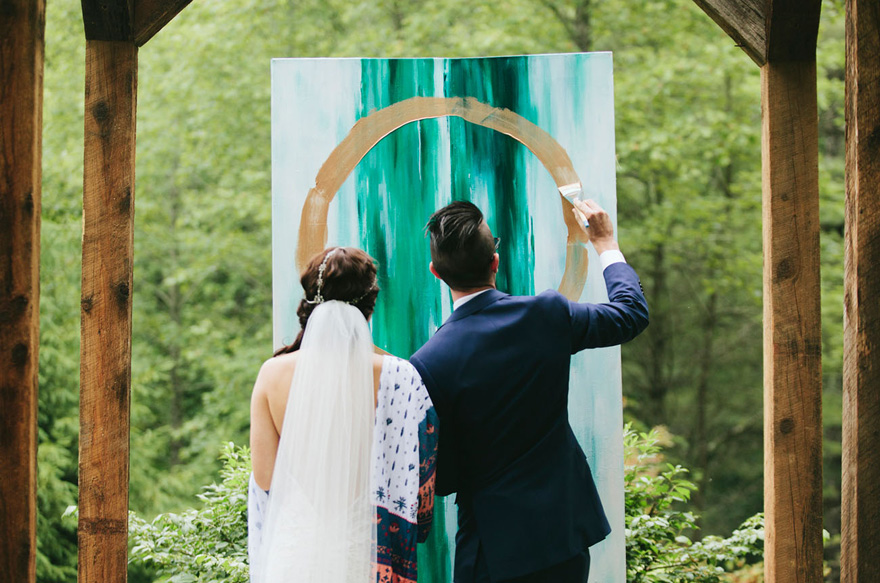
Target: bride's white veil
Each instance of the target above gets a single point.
(320, 521)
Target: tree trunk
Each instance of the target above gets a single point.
(700, 441)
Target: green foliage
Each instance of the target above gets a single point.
(58, 405)
(60, 267)
(658, 549)
(208, 545)
(689, 197)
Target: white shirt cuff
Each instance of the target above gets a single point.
(611, 257)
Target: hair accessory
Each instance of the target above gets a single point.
(319, 299)
(356, 301)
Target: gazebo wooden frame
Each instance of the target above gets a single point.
(778, 35)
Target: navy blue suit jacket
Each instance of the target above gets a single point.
(497, 372)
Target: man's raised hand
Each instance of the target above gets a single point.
(595, 223)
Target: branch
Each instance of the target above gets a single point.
(563, 20)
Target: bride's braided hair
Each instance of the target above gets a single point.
(349, 276)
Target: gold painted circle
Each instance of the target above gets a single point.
(370, 130)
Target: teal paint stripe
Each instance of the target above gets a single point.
(397, 181)
(496, 161)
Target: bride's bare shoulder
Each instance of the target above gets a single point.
(276, 371)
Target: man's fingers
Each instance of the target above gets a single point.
(582, 221)
(585, 211)
(594, 221)
(592, 204)
(589, 207)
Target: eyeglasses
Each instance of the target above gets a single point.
(497, 242)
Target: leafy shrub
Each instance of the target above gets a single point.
(209, 545)
(205, 545)
(658, 549)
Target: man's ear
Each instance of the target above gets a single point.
(434, 271)
(494, 267)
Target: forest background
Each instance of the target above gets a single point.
(688, 125)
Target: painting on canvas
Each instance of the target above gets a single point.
(364, 150)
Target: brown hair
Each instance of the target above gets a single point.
(349, 276)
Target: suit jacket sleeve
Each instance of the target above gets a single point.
(619, 320)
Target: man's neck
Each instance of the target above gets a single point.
(458, 294)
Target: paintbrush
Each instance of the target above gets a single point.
(571, 192)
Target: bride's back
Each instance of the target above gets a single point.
(279, 392)
(268, 404)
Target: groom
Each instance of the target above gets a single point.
(497, 372)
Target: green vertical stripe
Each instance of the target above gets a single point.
(497, 160)
(396, 184)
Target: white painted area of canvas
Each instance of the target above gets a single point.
(575, 105)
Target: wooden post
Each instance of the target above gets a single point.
(22, 26)
(860, 512)
(108, 245)
(792, 332)
(113, 30)
(780, 36)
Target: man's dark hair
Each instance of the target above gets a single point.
(462, 248)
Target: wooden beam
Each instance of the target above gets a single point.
(792, 30)
(860, 512)
(768, 30)
(110, 20)
(22, 27)
(792, 322)
(744, 21)
(150, 16)
(792, 332)
(107, 260)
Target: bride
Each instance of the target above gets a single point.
(343, 443)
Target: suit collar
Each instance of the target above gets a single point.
(476, 304)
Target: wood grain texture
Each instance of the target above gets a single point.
(22, 26)
(792, 326)
(150, 16)
(792, 30)
(744, 21)
(110, 20)
(860, 512)
(107, 250)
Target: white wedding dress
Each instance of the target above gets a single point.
(318, 522)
